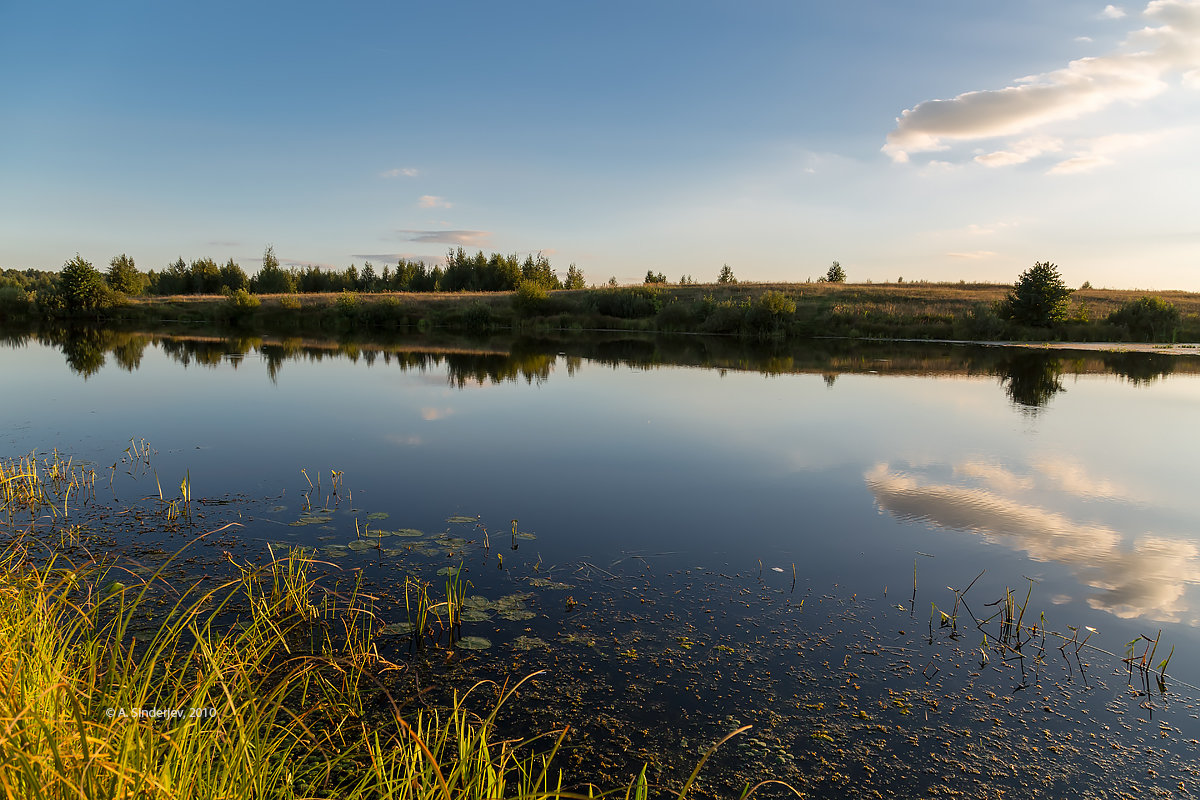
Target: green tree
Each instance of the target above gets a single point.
(81, 286)
(123, 275)
(574, 278)
(272, 278)
(835, 274)
(1039, 298)
(726, 275)
(652, 277)
(1148, 319)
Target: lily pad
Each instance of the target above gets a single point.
(361, 544)
(474, 615)
(378, 515)
(453, 542)
(526, 535)
(477, 601)
(473, 643)
(278, 509)
(449, 571)
(397, 629)
(462, 519)
(378, 533)
(409, 533)
(313, 519)
(336, 551)
(516, 614)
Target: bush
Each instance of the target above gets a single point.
(770, 314)
(347, 303)
(1148, 319)
(631, 303)
(478, 316)
(1040, 298)
(290, 302)
(530, 297)
(243, 301)
(14, 301)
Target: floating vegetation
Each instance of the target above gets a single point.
(336, 551)
(397, 629)
(378, 515)
(362, 544)
(473, 643)
(530, 643)
(524, 535)
(453, 542)
(313, 519)
(453, 571)
(409, 533)
(380, 533)
(461, 519)
(546, 583)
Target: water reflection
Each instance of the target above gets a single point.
(1131, 575)
(1030, 379)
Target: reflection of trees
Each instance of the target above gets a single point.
(1139, 368)
(1031, 379)
(84, 350)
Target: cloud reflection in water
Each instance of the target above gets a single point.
(1145, 577)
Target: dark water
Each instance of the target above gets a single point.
(736, 528)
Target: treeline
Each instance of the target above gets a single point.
(462, 272)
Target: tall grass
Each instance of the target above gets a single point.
(274, 706)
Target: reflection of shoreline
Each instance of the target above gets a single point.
(1147, 577)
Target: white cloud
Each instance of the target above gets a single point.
(1112, 12)
(1021, 151)
(430, 414)
(433, 201)
(400, 172)
(1099, 152)
(1135, 72)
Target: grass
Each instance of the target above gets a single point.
(758, 310)
(276, 705)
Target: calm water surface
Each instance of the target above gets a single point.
(671, 488)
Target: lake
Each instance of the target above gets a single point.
(692, 534)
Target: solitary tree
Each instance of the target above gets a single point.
(726, 275)
(835, 274)
(1039, 298)
(653, 277)
(80, 285)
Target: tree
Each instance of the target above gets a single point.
(123, 275)
(652, 277)
(272, 279)
(81, 286)
(1149, 319)
(574, 278)
(835, 274)
(1039, 298)
(726, 275)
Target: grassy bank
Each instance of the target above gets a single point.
(917, 311)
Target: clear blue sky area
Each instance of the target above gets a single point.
(936, 140)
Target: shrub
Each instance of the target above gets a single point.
(632, 303)
(14, 301)
(530, 297)
(1039, 298)
(770, 314)
(347, 303)
(478, 316)
(1148, 319)
(290, 302)
(243, 301)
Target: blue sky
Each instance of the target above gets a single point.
(929, 139)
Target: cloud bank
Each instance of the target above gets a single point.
(1137, 71)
